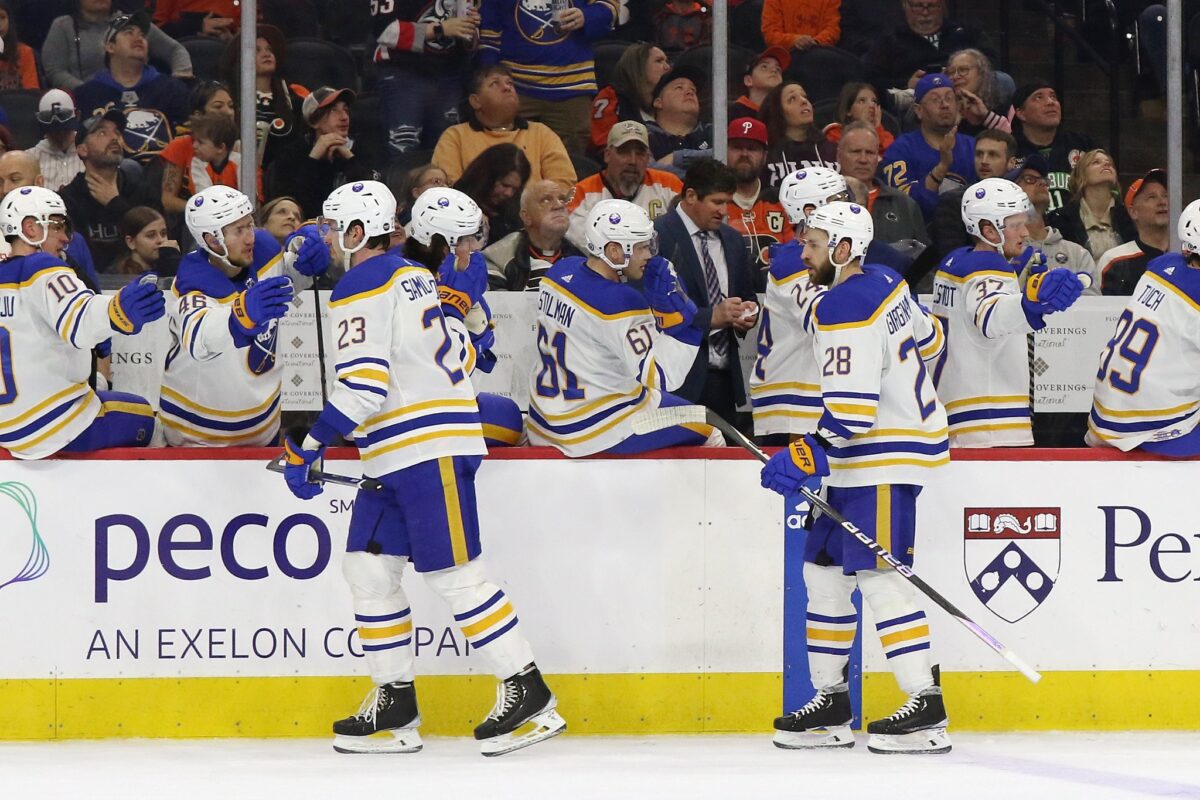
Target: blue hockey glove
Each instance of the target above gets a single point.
(312, 255)
(139, 302)
(266, 300)
(1032, 258)
(786, 259)
(299, 462)
(800, 465)
(1053, 291)
(673, 310)
(458, 291)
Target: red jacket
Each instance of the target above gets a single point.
(784, 21)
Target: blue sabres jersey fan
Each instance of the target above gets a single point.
(1147, 386)
(910, 159)
(220, 389)
(545, 63)
(881, 413)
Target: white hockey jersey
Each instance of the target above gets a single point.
(49, 322)
(983, 378)
(402, 386)
(1148, 386)
(219, 391)
(881, 413)
(602, 360)
(785, 387)
(654, 197)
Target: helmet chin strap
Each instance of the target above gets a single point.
(618, 268)
(837, 268)
(348, 252)
(45, 223)
(222, 257)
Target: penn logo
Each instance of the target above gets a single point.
(444, 202)
(615, 219)
(979, 193)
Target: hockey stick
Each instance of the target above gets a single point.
(317, 476)
(657, 419)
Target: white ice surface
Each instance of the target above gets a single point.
(1004, 766)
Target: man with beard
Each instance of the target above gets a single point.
(919, 161)
(880, 438)
(754, 211)
(99, 196)
(517, 262)
(626, 176)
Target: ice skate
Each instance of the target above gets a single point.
(917, 727)
(823, 721)
(521, 701)
(386, 722)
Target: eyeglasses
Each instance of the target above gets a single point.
(1033, 180)
(552, 200)
(957, 71)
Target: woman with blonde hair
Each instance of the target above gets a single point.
(975, 87)
(859, 102)
(1094, 217)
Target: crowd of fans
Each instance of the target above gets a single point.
(511, 102)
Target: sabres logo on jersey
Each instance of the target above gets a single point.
(147, 132)
(260, 356)
(535, 20)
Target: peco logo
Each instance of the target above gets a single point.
(24, 556)
(1012, 557)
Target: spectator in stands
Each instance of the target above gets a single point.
(75, 46)
(1030, 175)
(627, 175)
(975, 87)
(148, 247)
(6, 140)
(493, 99)
(422, 56)
(416, 181)
(153, 103)
(279, 217)
(630, 96)
(920, 46)
(921, 161)
(763, 74)
(310, 168)
(217, 19)
(278, 102)
(677, 134)
(995, 155)
(203, 158)
(795, 142)
(801, 25)
(1149, 207)
(681, 24)
(98, 198)
(1039, 118)
(517, 262)
(549, 53)
(710, 259)
(18, 63)
(1093, 217)
(754, 210)
(859, 102)
(897, 217)
(55, 152)
(19, 168)
(495, 180)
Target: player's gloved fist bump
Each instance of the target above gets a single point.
(301, 454)
(459, 290)
(312, 254)
(800, 465)
(264, 301)
(1031, 257)
(670, 305)
(1055, 290)
(138, 303)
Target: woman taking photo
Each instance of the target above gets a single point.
(793, 141)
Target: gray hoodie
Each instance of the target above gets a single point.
(74, 51)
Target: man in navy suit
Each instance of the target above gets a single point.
(712, 263)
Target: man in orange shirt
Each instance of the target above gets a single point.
(801, 25)
(754, 210)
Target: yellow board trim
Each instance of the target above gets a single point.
(458, 537)
(475, 628)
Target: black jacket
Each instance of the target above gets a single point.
(295, 174)
(99, 223)
(508, 262)
(1060, 156)
(1070, 224)
(895, 57)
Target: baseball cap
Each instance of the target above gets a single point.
(777, 53)
(1155, 175)
(748, 128)
(1025, 90)
(628, 131)
(88, 124)
(56, 110)
(138, 19)
(934, 80)
(321, 99)
(1034, 161)
(691, 73)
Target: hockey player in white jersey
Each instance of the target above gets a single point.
(49, 323)
(785, 391)
(222, 381)
(404, 394)
(983, 379)
(607, 350)
(880, 438)
(1148, 387)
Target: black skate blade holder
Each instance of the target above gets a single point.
(318, 476)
